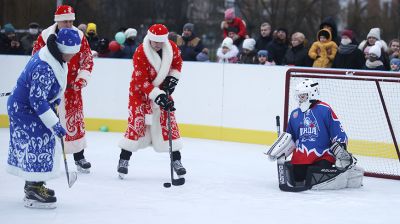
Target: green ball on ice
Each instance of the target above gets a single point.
(104, 128)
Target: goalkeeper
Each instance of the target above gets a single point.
(315, 135)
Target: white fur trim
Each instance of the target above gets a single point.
(155, 92)
(153, 137)
(64, 17)
(163, 66)
(40, 176)
(83, 74)
(75, 145)
(49, 118)
(175, 73)
(59, 71)
(52, 30)
(68, 49)
(157, 38)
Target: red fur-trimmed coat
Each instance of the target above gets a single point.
(71, 107)
(147, 123)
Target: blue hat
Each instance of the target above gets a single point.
(9, 28)
(395, 61)
(68, 41)
(263, 53)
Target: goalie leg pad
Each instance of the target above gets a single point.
(355, 177)
(284, 145)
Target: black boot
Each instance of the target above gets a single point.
(177, 164)
(123, 163)
(36, 196)
(82, 165)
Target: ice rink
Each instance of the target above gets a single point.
(226, 183)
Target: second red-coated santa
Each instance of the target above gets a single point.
(157, 68)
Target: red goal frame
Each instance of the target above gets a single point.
(348, 75)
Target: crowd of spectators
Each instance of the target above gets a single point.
(331, 49)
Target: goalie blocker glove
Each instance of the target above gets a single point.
(165, 103)
(169, 84)
(343, 158)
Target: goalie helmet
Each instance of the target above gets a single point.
(305, 93)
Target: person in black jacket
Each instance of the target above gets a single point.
(348, 55)
(297, 55)
(265, 37)
(278, 46)
(189, 44)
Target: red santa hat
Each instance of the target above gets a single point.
(158, 33)
(64, 13)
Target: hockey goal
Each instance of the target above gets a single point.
(368, 106)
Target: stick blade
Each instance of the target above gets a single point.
(178, 182)
(73, 176)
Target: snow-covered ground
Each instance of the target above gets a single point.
(226, 183)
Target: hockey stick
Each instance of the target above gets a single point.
(5, 94)
(179, 181)
(71, 176)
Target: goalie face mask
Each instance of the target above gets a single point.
(305, 93)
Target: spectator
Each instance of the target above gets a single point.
(248, 54)
(263, 58)
(130, 45)
(228, 52)
(297, 55)
(374, 36)
(232, 21)
(11, 44)
(92, 37)
(233, 33)
(189, 44)
(172, 35)
(82, 27)
(348, 55)
(265, 37)
(330, 24)
(395, 64)
(103, 50)
(278, 46)
(373, 61)
(394, 49)
(28, 40)
(323, 51)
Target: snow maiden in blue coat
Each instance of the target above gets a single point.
(34, 124)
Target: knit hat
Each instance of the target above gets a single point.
(9, 28)
(33, 25)
(64, 13)
(395, 61)
(158, 33)
(68, 41)
(233, 29)
(202, 57)
(376, 49)
(91, 27)
(347, 33)
(375, 32)
(188, 26)
(262, 53)
(230, 14)
(130, 32)
(249, 44)
(227, 42)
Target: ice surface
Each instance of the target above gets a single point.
(226, 183)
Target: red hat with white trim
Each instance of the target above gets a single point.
(158, 33)
(64, 13)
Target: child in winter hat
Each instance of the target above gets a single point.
(395, 64)
(375, 33)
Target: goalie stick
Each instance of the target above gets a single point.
(5, 94)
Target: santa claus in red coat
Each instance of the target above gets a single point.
(157, 68)
(79, 72)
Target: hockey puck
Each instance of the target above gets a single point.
(167, 185)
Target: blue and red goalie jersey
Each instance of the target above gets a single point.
(313, 132)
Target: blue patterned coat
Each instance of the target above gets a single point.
(33, 154)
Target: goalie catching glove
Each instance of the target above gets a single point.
(343, 158)
(284, 145)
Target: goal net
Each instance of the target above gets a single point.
(368, 106)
